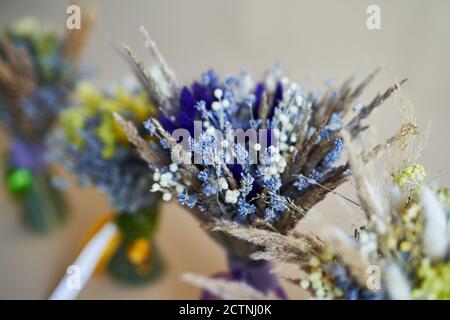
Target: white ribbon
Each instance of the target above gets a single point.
(79, 273)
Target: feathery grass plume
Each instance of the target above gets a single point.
(396, 282)
(409, 147)
(142, 146)
(407, 130)
(37, 75)
(435, 226)
(227, 290)
(92, 145)
(293, 249)
(363, 176)
(346, 249)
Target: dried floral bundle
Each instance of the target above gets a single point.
(287, 162)
(94, 147)
(295, 170)
(38, 70)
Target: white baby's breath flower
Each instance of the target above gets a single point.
(223, 184)
(216, 105)
(173, 167)
(210, 131)
(218, 93)
(167, 196)
(231, 196)
(225, 144)
(179, 188)
(166, 179)
(225, 103)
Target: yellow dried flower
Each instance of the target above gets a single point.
(139, 251)
(413, 174)
(406, 246)
(134, 106)
(72, 121)
(106, 135)
(314, 262)
(435, 281)
(89, 97)
(444, 195)
(391, 243)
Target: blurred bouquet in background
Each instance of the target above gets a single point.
(269, 180)
(38, 70)
(94, 147)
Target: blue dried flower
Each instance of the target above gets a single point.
(333, 155)
(301, 184)
(150, 126)
(246, 184)
(203, 176)
(187, 200)
(245, 210)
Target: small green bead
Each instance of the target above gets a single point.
(19, 180)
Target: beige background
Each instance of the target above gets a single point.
(314, 41)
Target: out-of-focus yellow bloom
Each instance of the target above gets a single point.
(413, 174)
(133, 106)
(314, 262)
(444, 195)
(406, 246)
(435, 282)
(89, 97)
(391, 243)
(139, 251)
(28, 27)
(105, 133)
(72, 121)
